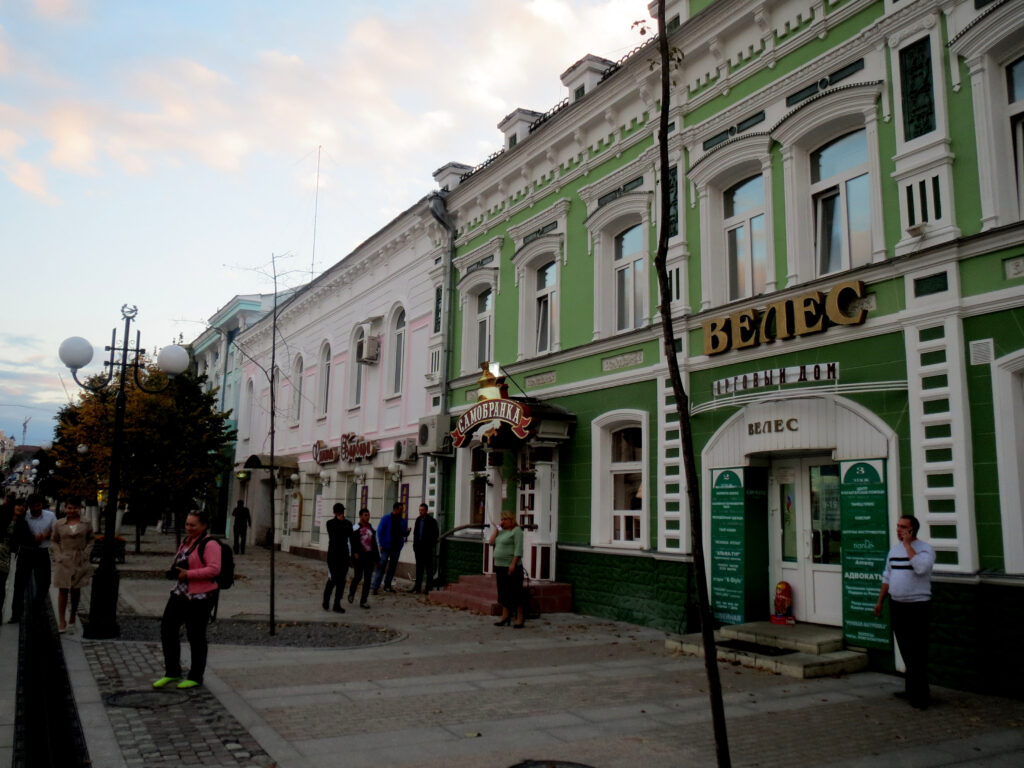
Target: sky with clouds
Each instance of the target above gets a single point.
(160, 153)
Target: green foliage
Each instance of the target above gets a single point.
(172, 451)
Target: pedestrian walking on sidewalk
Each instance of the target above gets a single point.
(391, 533)
(241, 520)
(12, 510)
(365, 555)
(907, 581)
(32, 534)
(72, 542)
(339, 535)
(508, 570)
(191, 602)
(424, 541)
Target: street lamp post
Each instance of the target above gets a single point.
(75, 353)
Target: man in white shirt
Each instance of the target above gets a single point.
(907, 581)
(33, 540)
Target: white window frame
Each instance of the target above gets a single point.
(323, 396)
(712, 176)
(602, 514)
(806, 128)
(1008, 407)
(609, 221)
(835, 187)
(745, 221)
(527, 261)
(470, 288)
(987, 46)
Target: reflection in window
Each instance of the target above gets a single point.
(840, 186)
(627, 483)
(484, 319)
(745, 238)
(629, 279)
(1015, 98)
(398, 353)
(325, 379)
(546, 305)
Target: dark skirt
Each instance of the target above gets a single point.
(510, 586)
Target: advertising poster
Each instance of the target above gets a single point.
(865, 524)
(727, 545)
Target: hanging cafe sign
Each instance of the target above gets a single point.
(356, 448)
(324, 454)
(515, 414)
(802, 315)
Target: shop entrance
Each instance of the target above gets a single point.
(806, 536)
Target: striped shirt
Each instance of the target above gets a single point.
(910, 579)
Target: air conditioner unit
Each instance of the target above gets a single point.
(405, 451)
(368, 350)
(434, 435)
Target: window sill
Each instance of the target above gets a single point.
(392, 396)
(322, 417)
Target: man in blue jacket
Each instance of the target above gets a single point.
(391, 534)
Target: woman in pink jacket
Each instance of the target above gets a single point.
(190, 603)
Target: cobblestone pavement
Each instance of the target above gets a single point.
(457, 692)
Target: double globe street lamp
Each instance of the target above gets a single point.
(76, 353)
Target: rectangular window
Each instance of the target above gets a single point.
(918, 96)
(438, 302)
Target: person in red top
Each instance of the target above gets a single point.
(191, 602)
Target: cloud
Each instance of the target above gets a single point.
(5, 53)
(73, 135)
(56, 10)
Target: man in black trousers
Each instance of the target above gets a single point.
(339, 532)
(424, 541)
(240, 526)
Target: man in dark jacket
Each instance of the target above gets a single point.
(424, 540)
(339, 534)
(391, 533)
(240, 526)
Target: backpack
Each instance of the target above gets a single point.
(226, 577)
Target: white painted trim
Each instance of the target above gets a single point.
(1008, 410)
(600, 486)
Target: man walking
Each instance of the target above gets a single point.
(907, 580)
(424, 540)
(339, 534)
(391, 533)
(32, 537)
(240, 526)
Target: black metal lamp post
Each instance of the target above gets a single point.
(76, 353)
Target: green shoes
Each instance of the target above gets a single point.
(188, 684)
(164, 681)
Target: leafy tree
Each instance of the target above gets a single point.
(172, 444)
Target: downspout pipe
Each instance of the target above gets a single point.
(437, 203)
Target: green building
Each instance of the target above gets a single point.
(847, 267)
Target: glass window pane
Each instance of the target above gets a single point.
(626, 491)
(399, 359)
(858, 215)
(628, 243)
(745, 196)
(1015, 80)
(622, 294)
(737, 242)
(546, 276)
(639, 287)
(483, 302)
(825, 525)
(758, 254)
(840, 155)
(400, 320)
(788, 512)
(627, 445)
(830, 242)
(483, 341)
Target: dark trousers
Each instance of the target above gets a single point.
(33, 564)
(910, 623)
(510, 587)
(337, 571)
(240, 532)
(195, 615)
(424, 565)
(362, 570)
(3, 592)
(386, 569)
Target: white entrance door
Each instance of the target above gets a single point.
(806, 537)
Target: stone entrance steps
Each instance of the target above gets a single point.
(479, 593)
(795, 650)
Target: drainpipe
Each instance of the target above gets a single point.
(438, 206)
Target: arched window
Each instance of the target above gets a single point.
(357, 368)
(619, 482)
(630, 279)
(840, 188)
(746, 242)
(483, 325)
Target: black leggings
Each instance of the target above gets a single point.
(510, 587)
(195, 615)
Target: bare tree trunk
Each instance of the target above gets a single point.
(683, 406)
